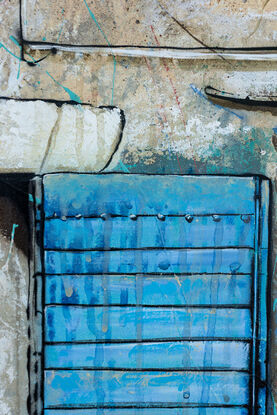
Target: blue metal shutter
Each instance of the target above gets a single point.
(154, 294)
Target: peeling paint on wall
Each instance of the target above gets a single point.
(171, 125)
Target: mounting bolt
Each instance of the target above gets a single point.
(245, 218)
(104, 216)
(133, 217)
(186, 395)
(189, 218)
(216, 218)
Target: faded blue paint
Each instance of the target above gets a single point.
(150, 411)
(165, 355)
(235, 261)
(198, 92)
(85, 194)
(157, 321)
(173, 232)
(78, 387)
(262, 249)
(156, 290)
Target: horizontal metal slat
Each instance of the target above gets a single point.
(167, 355)
(150, 411)
(148, 261)
(148, 232)
(125, 194)
(67, 388)
(153, 290)
(69, 323)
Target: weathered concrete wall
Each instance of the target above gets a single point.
(224, 23)
(171, 127)
(14, 283)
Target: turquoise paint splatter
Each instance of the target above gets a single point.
(62, 25)
(72, 95)
(108, 43)
(12, 241)
(19, 64)
(31, 199)
(60, 32)
(15, 41)
(7, 50)
(274, 304)
(198, 92)
(13, 230)
(124, 168)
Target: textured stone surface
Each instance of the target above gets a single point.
(225, 23)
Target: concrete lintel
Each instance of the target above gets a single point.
(40, 137)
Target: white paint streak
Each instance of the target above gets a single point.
(163, 53)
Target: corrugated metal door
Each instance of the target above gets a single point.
(154, 294)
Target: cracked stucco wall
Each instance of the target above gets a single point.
(38, 136)
(170, 127)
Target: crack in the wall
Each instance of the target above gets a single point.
(73, 137)
(120, 135)
(50, 141)
(258, 24)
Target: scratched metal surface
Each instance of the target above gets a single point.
(134, 322)
(227, 23)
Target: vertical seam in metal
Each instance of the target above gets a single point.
(43, 295)
(257, 196)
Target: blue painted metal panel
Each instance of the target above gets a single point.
(112, 307)
(148, 261)
(145, 232)
(154, 290)
(73, 194)
(166, 355)
(262, 297)
(150, 411)
(70, 323)
(67, 388)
